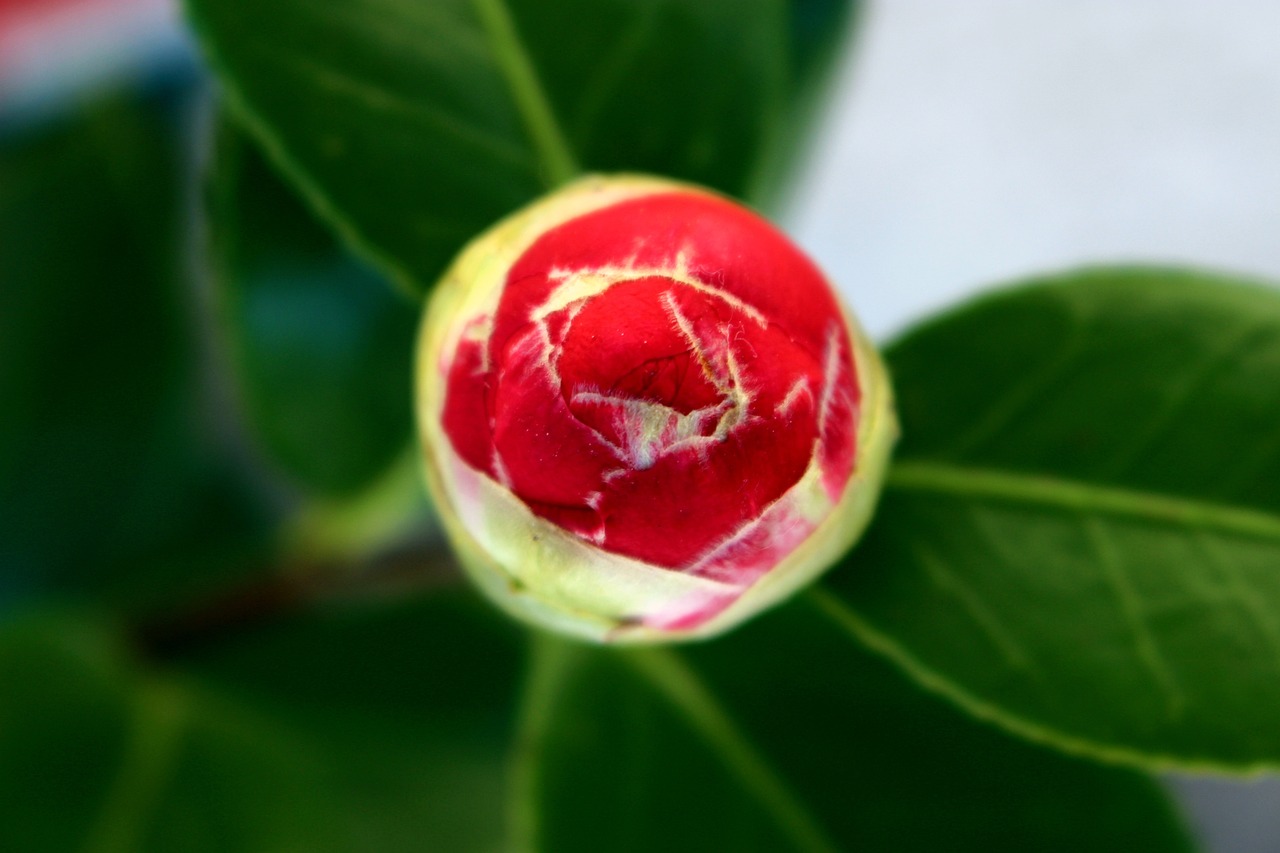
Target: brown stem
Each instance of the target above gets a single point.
(406, 569)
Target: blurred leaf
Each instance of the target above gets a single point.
(112, 478)
(779, 738)
(821, 31)
(816, 28)
(377, 730)
(324, 348)
(98, 759)
(63, 725)
(409, 705)
(1081, 535)
(412, 127)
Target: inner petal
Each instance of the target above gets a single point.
(625, 343)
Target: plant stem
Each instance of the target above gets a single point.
(282, 593)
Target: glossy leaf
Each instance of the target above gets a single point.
(323, 347)
(379, 729)
(414, 126)
(114, 478)
(1081, 534)
(778, 737)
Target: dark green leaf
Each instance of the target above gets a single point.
(113, 479)
(63, 726)
(778, 738)
(413, 126)
(324, 349)
(1081, 535)
(370, 729)
(409, 705)
(98, 759)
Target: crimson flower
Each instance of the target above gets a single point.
(646, 414)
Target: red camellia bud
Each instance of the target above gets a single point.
(646, 413)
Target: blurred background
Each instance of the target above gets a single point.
(975, 143)
(967, 145)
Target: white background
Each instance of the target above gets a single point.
(973, 142)
(977, 142)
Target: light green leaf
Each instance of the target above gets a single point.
(323, 349)
(412, 127)
(778, 737)
(1081, 535)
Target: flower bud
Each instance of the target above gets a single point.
(645, 412)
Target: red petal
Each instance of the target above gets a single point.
(663, 410)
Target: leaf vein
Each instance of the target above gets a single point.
(1245, 594)
(1030, 489)
(380, 100)
(1003, 410)
(410, 25)
(618, 60)
(1216, 362)
(558, 162)
(675, 680)
(1117, 575)
(990, 625)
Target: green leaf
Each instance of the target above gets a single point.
(778, 737)
(1080, 537)
(409, 705)
(114, 478)
(55, 694)
(98, 759)
(364, 729)
(412, 127)
(323, 348)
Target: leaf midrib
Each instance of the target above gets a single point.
(667, 672)
(530, 97)
(1050, 491)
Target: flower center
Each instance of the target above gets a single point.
(669, 380)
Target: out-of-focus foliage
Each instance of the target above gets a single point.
(779, 737)
(323, 349)
(366, 729)
(114, 482)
